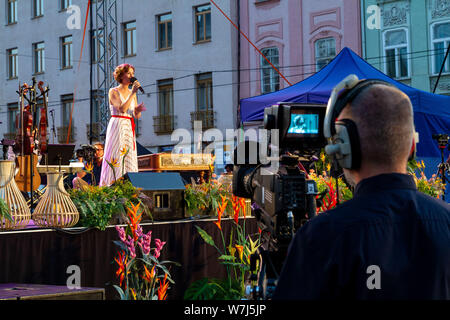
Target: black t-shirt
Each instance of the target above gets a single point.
(389, 242)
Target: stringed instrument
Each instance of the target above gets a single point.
(27, 177)
(43, 121)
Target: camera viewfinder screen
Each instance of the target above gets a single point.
(304, 124)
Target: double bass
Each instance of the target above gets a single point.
(27, 177)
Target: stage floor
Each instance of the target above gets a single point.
(43, 255)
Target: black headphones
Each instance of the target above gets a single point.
(342, 135)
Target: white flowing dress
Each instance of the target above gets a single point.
(119, 137)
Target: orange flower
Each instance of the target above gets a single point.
(149, 275)
(240, 250)
(89, 167)
(122, 262)
(162, 290)
(217, 223)
(135, 219)
(242, 205)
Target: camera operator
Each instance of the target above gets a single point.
(390, 241)
(92, 155)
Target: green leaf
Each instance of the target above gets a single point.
(206, 237)
(227, 257)
(120, 292)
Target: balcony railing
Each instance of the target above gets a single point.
(164, 124)
(207, 118)
(62, 134)
(96, 130)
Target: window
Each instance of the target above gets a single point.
(165, 97)
(12, 11)
(129, 32)
(13, 110)
(39, 57)
(97, 97)
(203, 23)
(161, 201)
(66, 52)
(165, 31)
(270, 79)
(66, 104)
(65, 4)
(12, 63)
(38, 8)
(325, 51)
(440, 38)
(204, 92)
(98, 46)
(395, 51)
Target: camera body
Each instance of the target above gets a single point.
(87, 152)
(442, 140)
(283, 197)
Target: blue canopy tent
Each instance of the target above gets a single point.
(431, 111)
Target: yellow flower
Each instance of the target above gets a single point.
(133, 294)
(89, 167)
(328, 167)
(123, 151)
(322, 157)
(114, 162)
(232, 250)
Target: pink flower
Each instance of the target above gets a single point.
(121, 232)
(144, 242)
(159, 246)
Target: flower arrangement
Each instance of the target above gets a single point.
(326, 185)
(141, 275)
(206, 197)
(98, 206)
(236, 257)
(433, 186)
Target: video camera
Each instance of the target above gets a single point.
(442, 140)
(87, 152)
(282, 193)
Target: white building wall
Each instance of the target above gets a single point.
(184, 60)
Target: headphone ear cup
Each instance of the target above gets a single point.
(353, 159)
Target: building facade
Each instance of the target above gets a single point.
(297, 37)
(184, 52)
(408, 40)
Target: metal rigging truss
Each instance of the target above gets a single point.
(106, 28)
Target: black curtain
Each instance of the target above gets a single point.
(43, 256)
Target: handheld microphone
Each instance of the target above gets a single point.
(132, 80)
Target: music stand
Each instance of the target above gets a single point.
(58, 154)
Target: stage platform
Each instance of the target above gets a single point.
(43, 256)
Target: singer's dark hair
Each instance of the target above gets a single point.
(121, 70)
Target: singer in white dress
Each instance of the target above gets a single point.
(120, 134)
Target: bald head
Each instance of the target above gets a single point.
(385, 122)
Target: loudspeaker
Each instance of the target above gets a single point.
(165, 190)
